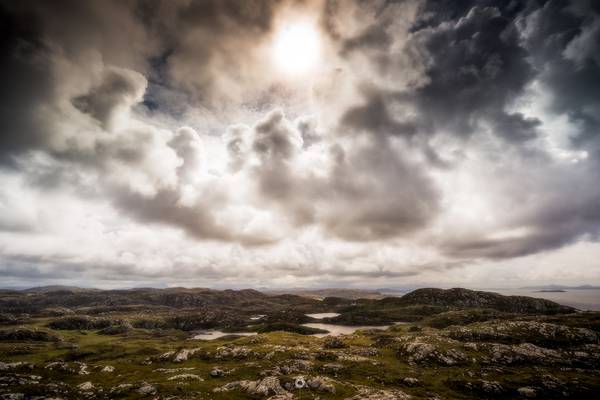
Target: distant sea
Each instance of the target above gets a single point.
(583, 299)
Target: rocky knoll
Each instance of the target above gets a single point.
(80, 322)
(464, 298)
(24, 334)
(444, 308)
(543, 334)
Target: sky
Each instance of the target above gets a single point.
(314, 143)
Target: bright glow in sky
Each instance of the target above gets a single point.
(296, 48)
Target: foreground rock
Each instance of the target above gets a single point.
(86, 386)
(422, 353)
(19, 365)
(185, 377)
(366, 393)
(263, 387)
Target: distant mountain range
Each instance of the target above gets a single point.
(330, 292)
(318, 294)
(55, 288)
(252, 301)
(561, 287)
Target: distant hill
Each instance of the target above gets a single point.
(57, 288)
(37, 299)
(394, 291)
(465, 298)
(561, 287)
(252, 301)
(330, 292)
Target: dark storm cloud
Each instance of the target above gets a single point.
(25, 82)
(118, 89)
(38, 41)
(563, 41)
(479, 58)
(550, 35)
(374, 117)
(474, 66)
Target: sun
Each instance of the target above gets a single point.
(296, 48)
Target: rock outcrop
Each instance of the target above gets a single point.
(264, 387)
(465, 298)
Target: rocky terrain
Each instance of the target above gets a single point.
(433, 344)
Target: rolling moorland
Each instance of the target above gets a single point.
(70, 343)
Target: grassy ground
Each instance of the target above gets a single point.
(135, 358)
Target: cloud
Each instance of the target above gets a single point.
(568, 65)
(475, 69)
(374, 117)
(476, 66)
(432, 137)
(189, 149)
(50, 52)
(117, 92)
(357, 192)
